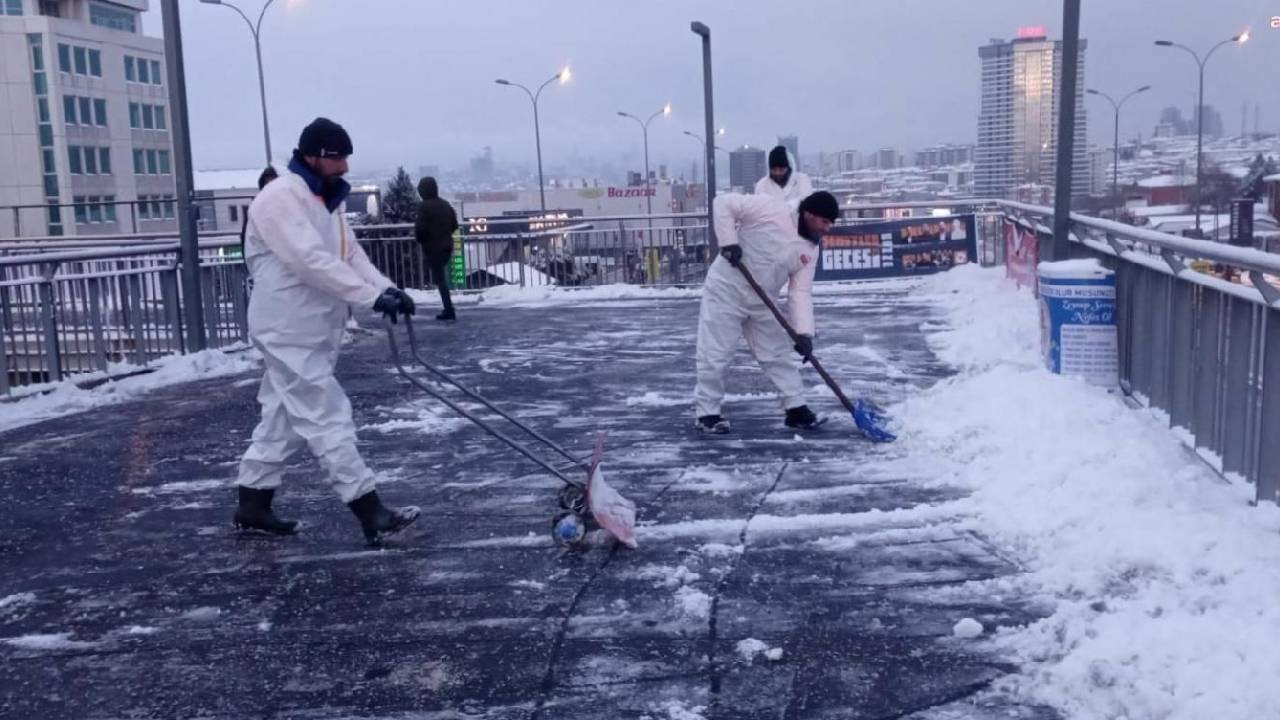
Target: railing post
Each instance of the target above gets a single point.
(95, 323)
(17, 223)
(172, 311)
(49, 322)
(137, 319)
(4, 353)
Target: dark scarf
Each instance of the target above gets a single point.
(333, 191)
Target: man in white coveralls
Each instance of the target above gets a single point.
(779, 245)
(308, 270)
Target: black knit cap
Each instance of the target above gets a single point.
(778, 157)
(823, 204)
(324, 138)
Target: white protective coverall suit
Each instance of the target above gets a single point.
(798, 186)
(775, 253)
(307, 269)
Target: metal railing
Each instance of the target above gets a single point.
(1199, 336)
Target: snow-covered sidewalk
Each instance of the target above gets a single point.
(1162, 579)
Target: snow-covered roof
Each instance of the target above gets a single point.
(227, 179)
(1157, 210)
(510, 272)
(1161, 181)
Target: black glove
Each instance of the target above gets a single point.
(804, 346)
(732, 253)
(393, 302)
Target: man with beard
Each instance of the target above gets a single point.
(783, 181)
(308, 271)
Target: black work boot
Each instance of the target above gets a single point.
(447, 315)
(712, 425)
(254, 513)
(802, 418)
(377, 520)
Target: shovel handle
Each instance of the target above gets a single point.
(795, 336)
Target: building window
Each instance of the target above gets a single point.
(139, 167)
(49, 8)
(129, 73)
(155, 73)
(161, 123)
(42, 85)
(113, 18)
(151, 162)
(148, 122)
(42, 110)
(90, 160)
(100, 112)
(69, 109)
(135, 116)
(95, 210)
(104, 160)
(144, 208)
(47, 161)
(95, 63)
(235, 213)
(46, 135)
(51, 185)
(73, 159)
(144, 76)
(81, 58)
(11, 7)
(64, 57)
(110, 208)
(81, 212)
(86, 110)
(168, 207)
(164, 162)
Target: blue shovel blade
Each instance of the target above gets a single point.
(872, 421)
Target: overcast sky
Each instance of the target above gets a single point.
(413, 79)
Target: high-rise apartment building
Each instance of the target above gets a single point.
(1018, 117)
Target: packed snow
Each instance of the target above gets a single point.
(51, 400)
(1160, 575)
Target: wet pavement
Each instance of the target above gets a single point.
(777, 576)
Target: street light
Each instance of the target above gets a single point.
(1240, 39)
(703, 144)
(257, 47)
(644, 126)
(1115, 164)
(563, 76)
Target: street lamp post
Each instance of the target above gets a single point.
(710, 180)
(644, 127)
(257, 47)
(1115, 163)
(1242, 38)
(702, 31)
(563, 76)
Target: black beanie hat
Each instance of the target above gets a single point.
(324, 138)
(823, 204)
(778, 157)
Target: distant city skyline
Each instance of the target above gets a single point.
(417, 98)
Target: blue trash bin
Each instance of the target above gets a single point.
(1078, 320)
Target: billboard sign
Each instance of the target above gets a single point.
(912, 246)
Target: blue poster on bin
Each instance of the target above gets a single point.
(1078, 321)
(891, 248)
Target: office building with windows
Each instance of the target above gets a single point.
(1018, 116)
(85, 131)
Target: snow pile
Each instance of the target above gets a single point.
(967, 628)
(748, 649)
(51, 400)
(1161, 577)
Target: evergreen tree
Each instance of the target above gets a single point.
(400, 203)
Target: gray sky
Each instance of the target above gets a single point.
(413, 79)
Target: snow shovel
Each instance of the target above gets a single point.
(613, 512)
(869, 418)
